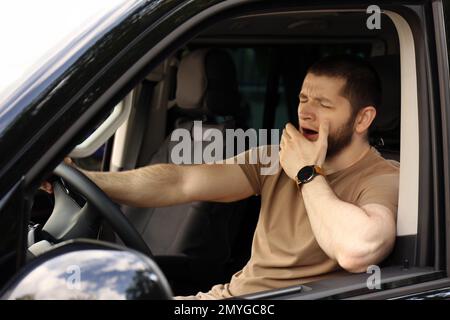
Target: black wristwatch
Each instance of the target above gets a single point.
(307, 174)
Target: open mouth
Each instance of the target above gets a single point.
(310, 134)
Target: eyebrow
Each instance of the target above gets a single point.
(321, 99)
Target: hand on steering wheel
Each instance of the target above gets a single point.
(97, 202)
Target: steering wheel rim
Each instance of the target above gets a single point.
(104, 206)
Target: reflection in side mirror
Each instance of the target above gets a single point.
(85, 270)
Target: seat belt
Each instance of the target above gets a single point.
(138, 122)
(156, 117)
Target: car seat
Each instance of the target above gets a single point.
(194, 243)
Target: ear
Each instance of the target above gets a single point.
(364, 119)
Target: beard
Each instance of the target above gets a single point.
(340, 139)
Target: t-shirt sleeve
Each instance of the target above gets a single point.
(257, 163)
(381, 189)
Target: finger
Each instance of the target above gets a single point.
(47, 187)
(285, 134)
(286, 138)
(68, 161)
(324, 129)
(283, 141)
(291, 130)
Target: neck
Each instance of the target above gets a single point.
(351, 154)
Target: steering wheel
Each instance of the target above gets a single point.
(68, 220)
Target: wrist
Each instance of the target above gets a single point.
(306, 187)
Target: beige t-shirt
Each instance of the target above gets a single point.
(284, 250)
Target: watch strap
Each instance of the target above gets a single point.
(319, 170)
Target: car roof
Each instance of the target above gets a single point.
(35, 37)
(72, 44)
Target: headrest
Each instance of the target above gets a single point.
(206, 81)
(387, 122)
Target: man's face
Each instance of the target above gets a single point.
(321, 99)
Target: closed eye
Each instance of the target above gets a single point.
(303, 98)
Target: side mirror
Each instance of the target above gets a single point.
(89, 270)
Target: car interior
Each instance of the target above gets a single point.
(244, 72)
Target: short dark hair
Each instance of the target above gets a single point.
(362, 87)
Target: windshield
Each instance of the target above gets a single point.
(32, 31)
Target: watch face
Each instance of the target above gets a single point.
(305, 174)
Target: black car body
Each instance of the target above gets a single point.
(61, 102)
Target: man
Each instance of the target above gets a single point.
(330, 207)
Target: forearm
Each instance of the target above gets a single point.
(343, 230)
(152, 186)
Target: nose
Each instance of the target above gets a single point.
(306, 112)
